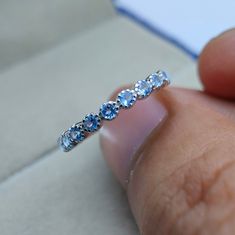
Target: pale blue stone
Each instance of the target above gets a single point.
(77, 134)
(143, 88)
(155, 80)
(109, 110)
(165, 78)
(91, 122)
(127, 98)
(65, 142)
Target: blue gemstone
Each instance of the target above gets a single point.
(164, 76)
(143, 88)
(91, 122)
(109, 110)
(127, 98)
(155, 80)
(76, 133)
(65, 142)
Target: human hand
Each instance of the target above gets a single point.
(174, 153)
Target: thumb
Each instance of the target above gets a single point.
(174, 155)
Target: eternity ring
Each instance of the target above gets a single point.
(109, 110)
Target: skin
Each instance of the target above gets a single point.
(180, 178)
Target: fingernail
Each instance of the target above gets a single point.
(122, 137)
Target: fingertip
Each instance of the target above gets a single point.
(217, 65)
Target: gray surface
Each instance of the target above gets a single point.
(61, 194)
(28, 27)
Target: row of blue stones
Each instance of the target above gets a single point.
(109, 110)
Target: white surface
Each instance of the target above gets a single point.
(65, 196)
(28, 27)
(192, 23)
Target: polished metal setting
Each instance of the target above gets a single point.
(109, 110)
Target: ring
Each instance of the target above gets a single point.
(92, 122)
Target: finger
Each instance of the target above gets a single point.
(222, 106)
(217, 66)
(178, 155)
(153, 117)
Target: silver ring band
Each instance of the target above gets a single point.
(109, 110)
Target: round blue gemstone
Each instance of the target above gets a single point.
(77, 134)
(65, 142)
(127, 98)
(91, 122)
(109, 110)
(143, 88)
(155, 80)
(164, 76)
